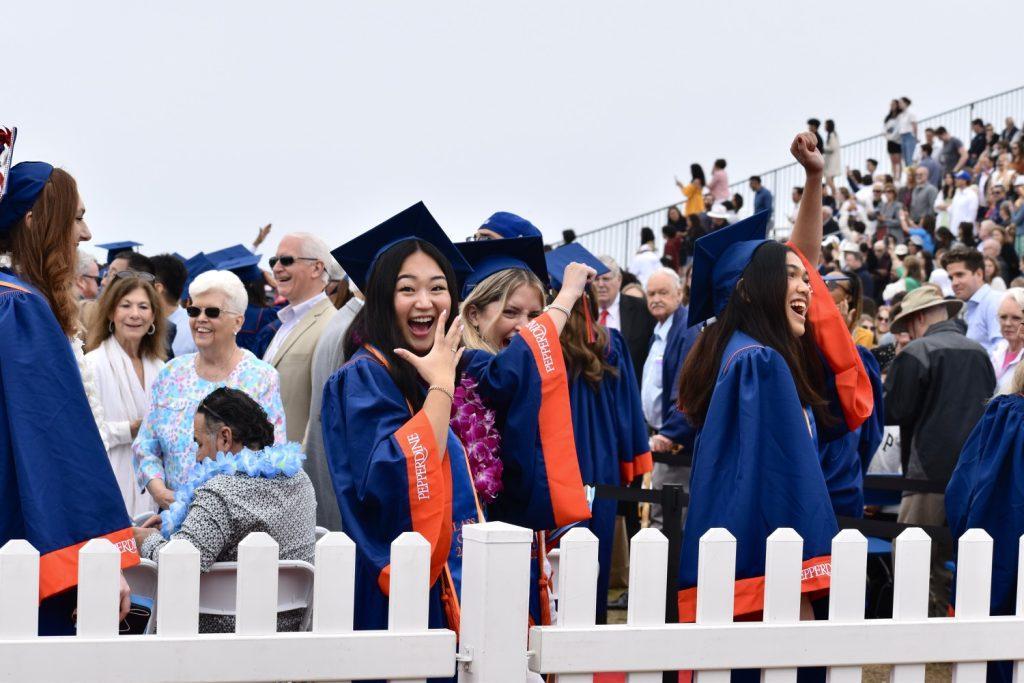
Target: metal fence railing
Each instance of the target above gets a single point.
(621, 239)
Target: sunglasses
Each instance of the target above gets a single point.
(95, 278)
(145, 277)
(211, 312)
(882, 320)
(288, 261)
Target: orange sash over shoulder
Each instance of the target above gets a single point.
(833, 338)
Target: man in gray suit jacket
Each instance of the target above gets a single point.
(327, 359)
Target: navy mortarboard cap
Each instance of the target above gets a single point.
(195, 266)
(509, 225)
(247, 268)
(236, 251)
(719, 259)
(359, 255)
(22, 186)
(493, 256)
(115, 248)
(559, 259)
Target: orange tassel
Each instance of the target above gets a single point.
(590, 320)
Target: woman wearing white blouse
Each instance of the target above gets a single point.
(125, 353)
(1006, 355)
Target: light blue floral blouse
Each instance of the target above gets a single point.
(165, 447)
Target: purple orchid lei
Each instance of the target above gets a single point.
(473, 423)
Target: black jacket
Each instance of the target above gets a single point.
(637, 325)
(936, 392)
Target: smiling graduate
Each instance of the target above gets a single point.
(390, 415)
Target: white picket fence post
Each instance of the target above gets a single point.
(409, 598)
(782, 566)
(1018, 665)
(577, 586)
(256, 593)
(19, 590)
(177, 592)
(716, 589)
(846, 593)
(973, 593)
(913, 552)
(334, 586)
(648, 568)
(495, 602)
(99, 566)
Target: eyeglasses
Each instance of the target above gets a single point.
(882, 320)
(211, 312)
(145, 277)
(288, 261)
(480, 238)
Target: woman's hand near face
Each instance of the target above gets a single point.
(437, 368)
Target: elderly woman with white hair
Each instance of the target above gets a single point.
(1008, 351)
(164, 450)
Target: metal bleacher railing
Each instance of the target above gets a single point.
(621, 239)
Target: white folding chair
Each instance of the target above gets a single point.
(218, 587)
(321, 532)
(142, 579)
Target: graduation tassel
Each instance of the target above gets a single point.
(590, 320)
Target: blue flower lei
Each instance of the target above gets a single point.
(281, 460)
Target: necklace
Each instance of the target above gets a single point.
(282, 460)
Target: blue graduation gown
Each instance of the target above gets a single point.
(756, 469)
(845, 458)
(57, 489)
(389, 478)
(986, 491)
(675, 426)
(611, 444)
(258, 329)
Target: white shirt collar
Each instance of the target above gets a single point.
(295, 312)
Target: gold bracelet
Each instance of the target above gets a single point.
(434, 387)
(563, 309)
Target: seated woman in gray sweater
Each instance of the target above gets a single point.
(240, 483)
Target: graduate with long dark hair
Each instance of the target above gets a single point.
(396, 463)
(607, 414)
(756, 386)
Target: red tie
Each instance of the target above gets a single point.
(603, 318)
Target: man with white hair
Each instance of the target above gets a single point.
(300, 268)
(87, 277)
(664, 301)
(627, 314)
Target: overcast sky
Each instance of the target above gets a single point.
(190, 124)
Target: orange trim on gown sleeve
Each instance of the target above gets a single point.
(58, 569)
(640, 465)
(558, 443)
(749, 601)
(833, 338)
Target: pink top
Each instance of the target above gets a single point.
(719, 185)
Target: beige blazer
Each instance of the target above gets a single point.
(294, 362)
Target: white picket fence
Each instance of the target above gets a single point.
(493, 643)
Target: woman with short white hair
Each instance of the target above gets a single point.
(1007, 353)
(164, 449)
